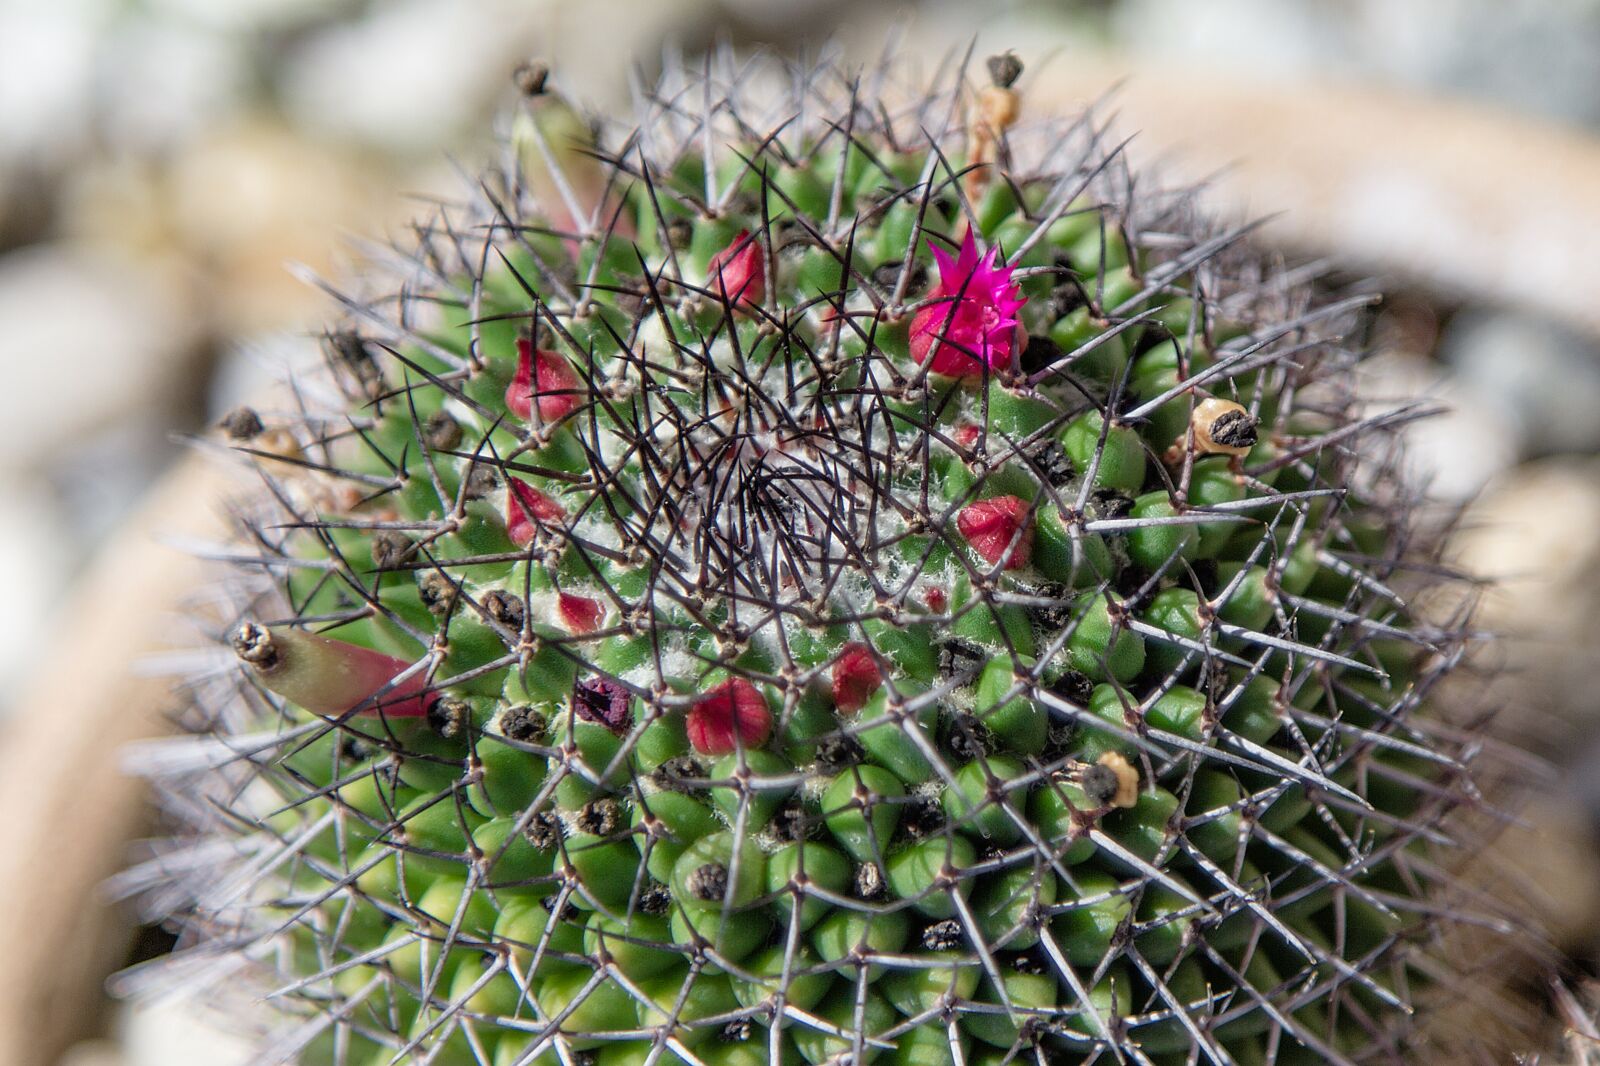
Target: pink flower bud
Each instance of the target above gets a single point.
(730, 716)
(545, 378)
(735, 273)
(580, 614)
(331, 678)
(527, 509)
(855, 677)
(998, 528)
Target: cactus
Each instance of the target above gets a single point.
(833, 573)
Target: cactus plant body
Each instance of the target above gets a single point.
(832, 573)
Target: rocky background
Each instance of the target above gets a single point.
(162, 160)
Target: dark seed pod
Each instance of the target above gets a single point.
(1050, 461)
(450, 718)
(966, 738)
(655, 900)
(438, 593)
(839, 751)
(523, 724)
(944, 936)
(1099, 784)
(544, 831)
(708, 883)
(505, 609)
(868, 883)
(960, 660)
(600, 817)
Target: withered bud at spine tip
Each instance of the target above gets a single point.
(504, 608)
(253, 644)
(1223, 427)
(1005, 69)
(522, 724)
(942, 936)
(599, 817)
(481, 481)
(530, 77)
(240, 424)
(391, 549)
(441, 432)
(543, 831)
(655, 900)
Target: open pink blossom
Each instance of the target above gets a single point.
(971, 320)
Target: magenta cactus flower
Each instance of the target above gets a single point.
(970, 321)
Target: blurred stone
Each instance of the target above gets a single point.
(1450, 455)
(1544, 378)
(47, 57)
(241, 15)
(1534, 55)
(1534, 534)
(414, 72)
(94, 1053)
(188, 77)
(248, 199)
(40, 552)
(1270, 36)
(173, 1033)
(1534, 538)
(88, 338)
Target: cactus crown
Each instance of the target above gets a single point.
(831, 572)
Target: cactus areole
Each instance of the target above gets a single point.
(838, 576)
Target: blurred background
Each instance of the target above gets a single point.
(162, 160)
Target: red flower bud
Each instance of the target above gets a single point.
(991, 527)
(730, 716)
(546, 378)
(735, 273)
(580, 614)
(855, 677)
(936, 599)
(527, 509)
